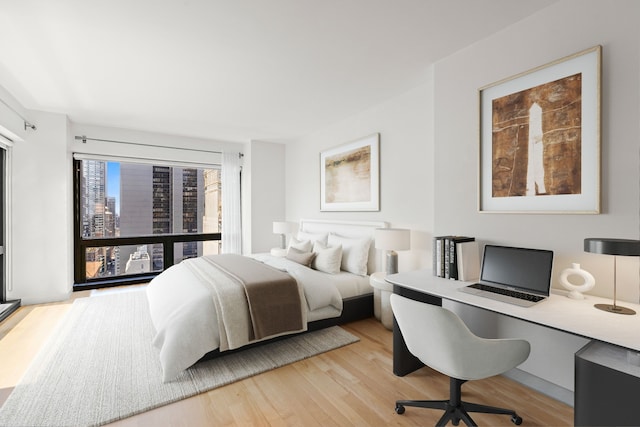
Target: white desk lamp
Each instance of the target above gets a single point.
(392, 240)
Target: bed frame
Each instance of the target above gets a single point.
(354, 308)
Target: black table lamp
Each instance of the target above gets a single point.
(613, 247)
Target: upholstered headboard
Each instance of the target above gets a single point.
(355, 229)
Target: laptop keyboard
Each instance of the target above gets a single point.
(507, 292)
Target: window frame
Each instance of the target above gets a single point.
(81, 244)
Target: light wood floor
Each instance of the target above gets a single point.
(350, 386)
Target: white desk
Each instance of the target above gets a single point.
(577, 317)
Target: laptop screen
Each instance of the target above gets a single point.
(526, 269)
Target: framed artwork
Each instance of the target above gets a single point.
(350, 176)
(540, 139)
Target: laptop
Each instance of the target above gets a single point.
(517, 276)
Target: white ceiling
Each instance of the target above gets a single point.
(232, 70)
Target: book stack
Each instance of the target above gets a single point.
(456, 257)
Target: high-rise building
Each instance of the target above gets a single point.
(161, 200)
(95, 217)
(110, 215)
(192, 209)
(94, 191)
(139, 261)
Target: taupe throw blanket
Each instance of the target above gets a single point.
(272, 295)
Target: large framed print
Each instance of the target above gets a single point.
(540, 139)
(350, 176)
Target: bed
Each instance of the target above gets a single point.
(212, 305)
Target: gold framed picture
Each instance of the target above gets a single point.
(350, 176)
(540, 139)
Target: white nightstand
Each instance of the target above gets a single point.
(278, 252)
(381, 304)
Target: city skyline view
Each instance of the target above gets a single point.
(134, 200)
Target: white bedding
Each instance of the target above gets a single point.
(348, 284)
(184, 313)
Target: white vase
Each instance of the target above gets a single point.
(575, 291)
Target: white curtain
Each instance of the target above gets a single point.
(231, 215)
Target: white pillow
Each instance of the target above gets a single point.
(313, 237)
(355, 253)
(301, 245)
(328, 259)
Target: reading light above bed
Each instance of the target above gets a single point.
(392, 240)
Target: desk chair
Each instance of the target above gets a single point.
(440, 339)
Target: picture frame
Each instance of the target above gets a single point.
(350, 176)
(540, 139)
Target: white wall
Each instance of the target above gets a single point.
(263, 202)
(429, 157)
(405, 125)
(41, 220)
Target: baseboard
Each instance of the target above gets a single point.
(543, 386)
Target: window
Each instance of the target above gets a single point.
(134, 220)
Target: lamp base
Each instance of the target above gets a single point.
(392, 262)
(614, 309)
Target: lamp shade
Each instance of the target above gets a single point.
(605, 246)
(282, 227)
(393, 239)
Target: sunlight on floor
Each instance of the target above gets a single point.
(23, 342)
(18, 347)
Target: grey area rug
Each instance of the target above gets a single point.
(100, 366)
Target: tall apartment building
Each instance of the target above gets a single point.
(110, 217)
(160, 200)
(98, 219)
(94, 191)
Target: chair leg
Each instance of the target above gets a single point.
(455, 409)
(455, 415)
(475, 407)
(428, 404)
(465, 407)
